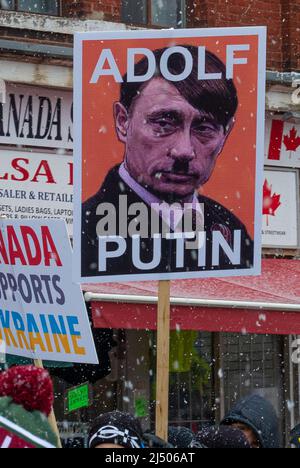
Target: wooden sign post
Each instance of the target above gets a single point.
(52, 419)
(163, 360)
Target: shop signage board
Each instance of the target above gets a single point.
(36, 186)
(36, 116)
(281, 209)
(42, 312)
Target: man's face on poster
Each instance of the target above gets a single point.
(171, 147)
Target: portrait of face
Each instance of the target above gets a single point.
(171, 148)
(168, 142)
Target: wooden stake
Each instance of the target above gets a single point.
(52, 419)
(163, 361)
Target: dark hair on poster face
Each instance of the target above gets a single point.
(215, 97)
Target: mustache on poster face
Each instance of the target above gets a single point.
(179, 167)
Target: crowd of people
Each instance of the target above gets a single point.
(26, 400)
(252, 423)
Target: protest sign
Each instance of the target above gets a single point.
(13, 436)
(169, 150)
(42, 312)
(78, 398)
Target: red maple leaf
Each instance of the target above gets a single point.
(271, 202)
(292, 141)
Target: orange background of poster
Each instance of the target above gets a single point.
(233, 182)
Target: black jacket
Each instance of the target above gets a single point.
(217, 218)
(258, 414)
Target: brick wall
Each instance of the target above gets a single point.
(223, 13)
(281, 16)
(291, 34)
(108, 10)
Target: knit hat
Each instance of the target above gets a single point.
(182, 437)
(26, 398)
(222, 438)
(116, 428)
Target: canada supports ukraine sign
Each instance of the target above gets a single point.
(42, 313)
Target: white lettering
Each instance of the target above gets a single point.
(202, 75)
(131, 76)
(165, 61)
(107, 58)
(234, 254)
(104, 254)
(137, 248)
(231, 60)
(113, 70)
(6, 443)
(296, 93)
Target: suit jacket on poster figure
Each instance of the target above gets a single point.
(217, 218)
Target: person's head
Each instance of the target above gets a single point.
(222, 438)
(249, 433)
(116, 430)
(257, 419)
(182, 437)
(175, 131)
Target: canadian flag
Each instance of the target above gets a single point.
(272, 201)
(284, 142)
(9, 440)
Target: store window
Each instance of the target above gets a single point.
(191, 380)
(158, 13)
(210, 372)
(46, 7)
(253, 364)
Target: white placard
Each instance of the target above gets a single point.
(281, 218)
(139, 168)
(42, 312)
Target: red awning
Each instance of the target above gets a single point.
(269, 304)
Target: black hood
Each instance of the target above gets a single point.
(259, 414)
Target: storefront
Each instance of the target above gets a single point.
(36, 176)
(221, 349)
(229, 337)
